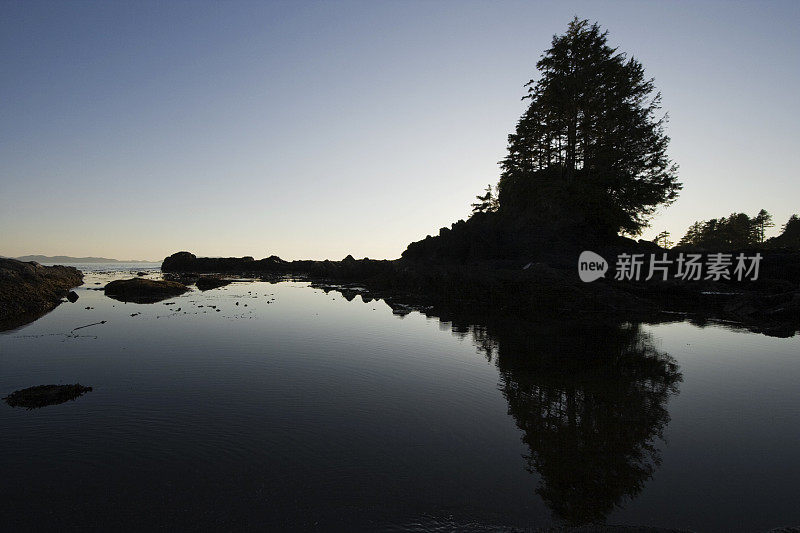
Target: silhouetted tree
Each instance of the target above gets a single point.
(763, 220)
(692, 236)
(487, 202)
(740, 231)
(662, 239)
(591, 143)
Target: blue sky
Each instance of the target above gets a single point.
(314, 130)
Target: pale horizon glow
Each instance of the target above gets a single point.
(316, 130)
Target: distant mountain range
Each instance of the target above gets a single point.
(67, 259)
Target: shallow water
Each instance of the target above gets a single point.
(301, 409)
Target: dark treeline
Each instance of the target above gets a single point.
(739, 231)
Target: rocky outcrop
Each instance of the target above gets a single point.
(349, 268)
(138, 290)
(188, 262)
(28, 290)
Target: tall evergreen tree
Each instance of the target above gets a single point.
(487, 202)
(662, 239)
(762, 221)
(591, 143)
(692, 237)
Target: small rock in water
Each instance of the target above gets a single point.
(43, 395)
(140, 290)
(72, 296)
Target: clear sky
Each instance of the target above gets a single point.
(313, 130)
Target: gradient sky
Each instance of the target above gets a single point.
(313, 130)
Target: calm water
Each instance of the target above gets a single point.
(300, 409)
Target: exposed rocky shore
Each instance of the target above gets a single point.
(546, 285)
(28, 290)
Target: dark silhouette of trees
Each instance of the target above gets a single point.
(692, 235)
(792, 225)
(662, 239)
(733, 232)
(586, 162)
(789, 237)
(591, 145)
(487, 202)
(762, 221)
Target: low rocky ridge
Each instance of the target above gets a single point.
(28, 289)
(139, 290)
(546, 283)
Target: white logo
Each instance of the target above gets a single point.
(591, 266)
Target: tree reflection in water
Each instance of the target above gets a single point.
(590, 397)
(591, 401)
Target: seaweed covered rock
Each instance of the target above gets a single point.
(206, 283)
(44, 395)
(140, 290)
(28, 289)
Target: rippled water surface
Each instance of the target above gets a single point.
(262, 405)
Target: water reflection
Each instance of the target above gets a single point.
(591, 400)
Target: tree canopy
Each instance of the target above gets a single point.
(591, 144)
(734, 231)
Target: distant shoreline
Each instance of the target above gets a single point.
(76, 260)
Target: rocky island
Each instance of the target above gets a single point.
(28, 290)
